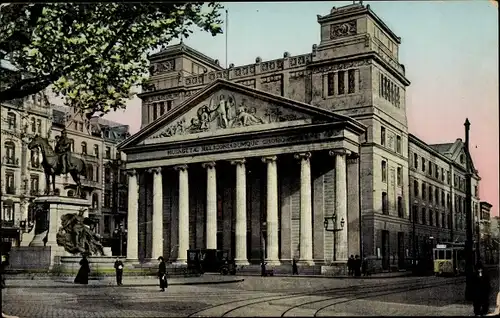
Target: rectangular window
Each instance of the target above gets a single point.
(401, 213)
(351, 81)
(162, 108)
(423, 164)
(39, 125)
(430, 193)
(436, 171)
(448, 177)
(423, 191)
(442, 174)
(430, 169)
(431, 217)
(415, 161)
(398, 144)
(385, 203)
(107, 199)
(155, 111)
(381, 86)
(11, 120)
(169, 105)
(415, 188)
(96, 151)
(108, 153)
(330, 84)
(384, 171)
(442, 198)
(382, 136)
(9, 183)
(424, 220)
(34, 185)
(397, 97)
(391, 92)
(400, 176)
(107, 224)
(340, 82)
(443, 220)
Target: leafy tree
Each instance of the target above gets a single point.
(92, 54)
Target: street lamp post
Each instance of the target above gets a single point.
(468, 210)
(330, 224)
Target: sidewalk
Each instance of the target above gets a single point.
(127, 281)
(372, 276)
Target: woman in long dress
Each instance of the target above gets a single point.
(83, 274)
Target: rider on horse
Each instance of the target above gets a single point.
(63, 149)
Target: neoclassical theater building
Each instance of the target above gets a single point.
(253, 158)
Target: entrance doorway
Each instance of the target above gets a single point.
(401, 250)
(385, 249)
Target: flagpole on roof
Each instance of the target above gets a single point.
(227, 20)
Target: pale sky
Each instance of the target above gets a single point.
(449, 49)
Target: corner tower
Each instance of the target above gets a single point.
(356, 72)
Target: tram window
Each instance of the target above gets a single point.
(448, 254)
(441, 255)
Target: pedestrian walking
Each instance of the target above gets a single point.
(162, 274)
(357, 266)
(481, 291)
(82, 277)
(295, 270)
(364, 266)
(119, 271)
(350, 265)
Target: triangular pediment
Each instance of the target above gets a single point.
(225, 108)
(459, 155)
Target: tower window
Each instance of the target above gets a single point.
(384, 171)
(382, 136)
(351, 81)
(330, 84)
(341, 83)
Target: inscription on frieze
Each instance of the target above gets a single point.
(255, 143)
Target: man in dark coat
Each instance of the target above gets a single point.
(481, 291)
(357, 266)
(263, 268)
(350, 265)
(162, 273)
(119, 271)
(295, 270)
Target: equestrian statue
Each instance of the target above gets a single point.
(59, 161)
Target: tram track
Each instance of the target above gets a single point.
(341, 292)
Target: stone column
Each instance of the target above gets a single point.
(306, 237)
(157, 246)
(183, 214)
(272, 211)
(341, 202)
(241, 213)
(211, 241)
(133, 216)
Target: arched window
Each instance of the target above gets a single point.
(11, 120)
(10, 149)
(95, 201)
(72, 143)
(84, 147)
(71, 193)
(90, 172)
(33, 125)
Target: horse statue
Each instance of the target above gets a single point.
(52, 165)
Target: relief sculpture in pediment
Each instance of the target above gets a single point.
(224, 111)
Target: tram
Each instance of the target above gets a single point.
(449, 259)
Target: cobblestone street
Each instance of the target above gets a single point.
(271, 296)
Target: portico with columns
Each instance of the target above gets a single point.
(247, 171)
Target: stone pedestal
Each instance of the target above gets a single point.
(46, 226)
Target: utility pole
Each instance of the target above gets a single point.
(469, 262)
